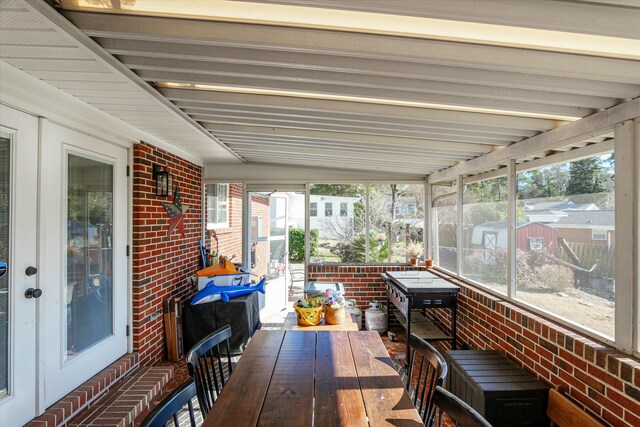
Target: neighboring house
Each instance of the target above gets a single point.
(333, 216)
(551, 212)
(406, 206)
(560, 205)
(530, 236)
(595, 227)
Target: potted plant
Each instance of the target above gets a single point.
(413, 251)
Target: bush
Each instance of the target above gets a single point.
(296, 244)
(557, 278)
(354, 251)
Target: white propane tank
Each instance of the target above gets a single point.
(350, 305)
(376, 318)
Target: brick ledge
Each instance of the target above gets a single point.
(83, 397)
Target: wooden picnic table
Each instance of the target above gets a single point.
(308, 378)
(349, 324)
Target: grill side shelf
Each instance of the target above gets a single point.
(421, 327)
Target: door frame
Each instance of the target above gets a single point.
(46, 135)
(22, 127)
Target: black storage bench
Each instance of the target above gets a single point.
(242, 313)
(501, 391)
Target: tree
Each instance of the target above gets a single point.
(587, 176)
(296, 244)
(349, 190)
(546, 182)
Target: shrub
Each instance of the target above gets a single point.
(354, 251)
(296, 244)
(557, 278)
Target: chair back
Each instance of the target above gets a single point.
(208, 368)
(426, 370)
(457, 410)
(171, 405)
(564, 413)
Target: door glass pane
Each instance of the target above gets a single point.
(277, 236)
(4, 258)
(89, 290)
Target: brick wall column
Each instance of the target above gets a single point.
(161, 264)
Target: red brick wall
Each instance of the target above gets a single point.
(361, 282)
(228, 241)
(161, 264)
(605, 381)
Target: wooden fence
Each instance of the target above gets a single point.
(588, 255)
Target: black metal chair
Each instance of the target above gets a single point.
(426, 369)
(207, 368)
(170, 407)
(457, 410)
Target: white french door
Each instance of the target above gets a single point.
(18, 208)
(83, 238)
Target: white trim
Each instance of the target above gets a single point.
(427, 226)
(130, 160)
(627, 199)
(246, 227)
(91, 47)
(512, 185)
(593, 125)
(459, 224)
(307, 232)
(24, 92)
(285, 174)
(554, 159)
(367, 226)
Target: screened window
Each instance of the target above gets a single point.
(484, 249)
(217, 205)
(444, 223)
(395, 223)
(396, 218)
(313, 209)
(339, 238)
(571, 272)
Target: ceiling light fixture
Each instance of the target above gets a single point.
(364, 100)
(373, 23)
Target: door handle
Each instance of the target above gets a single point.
(33, 293)
(30, 271)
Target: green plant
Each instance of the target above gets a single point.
(296, 244)
(354, 251)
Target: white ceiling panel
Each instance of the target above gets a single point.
(266, 90)
(33, 38)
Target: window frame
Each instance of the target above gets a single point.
(531, 239)
(224, 205)
(605, 234)
(328, 205)
(344, 213)
(623, 328)
(313, 209)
